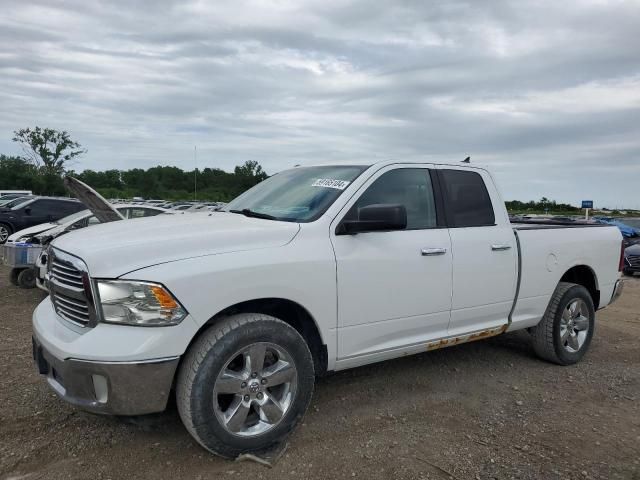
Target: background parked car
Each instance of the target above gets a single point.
(632, 259)
(28, 275)
(6, 199)
(20, 214)
(81, 219)
(181, 207)
(630, 234)
(198, 207)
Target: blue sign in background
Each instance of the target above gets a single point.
(587, 203)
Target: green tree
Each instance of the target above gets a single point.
(50, 150)
(252, 169)
(168, 182)
(247, 175)
(16, 173)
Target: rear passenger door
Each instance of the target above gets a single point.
(484, 251)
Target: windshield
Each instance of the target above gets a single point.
(12, 196)
(73, 217)
(18, 203)
(301, 194)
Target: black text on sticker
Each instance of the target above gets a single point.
(329, 183)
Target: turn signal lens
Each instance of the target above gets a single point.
(164, 298)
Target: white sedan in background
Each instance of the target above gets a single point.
(82, 219)
(43, 233)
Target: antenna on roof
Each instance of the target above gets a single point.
(467, 160)
(195, 173)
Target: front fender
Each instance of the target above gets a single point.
(208, 285)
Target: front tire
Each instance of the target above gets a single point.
(564, 334)
(245, 384)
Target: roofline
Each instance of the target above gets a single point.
(40, 197)
(384, 163)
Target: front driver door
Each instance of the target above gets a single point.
(394, 288)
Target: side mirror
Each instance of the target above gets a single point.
(27, 211)
(375, 218)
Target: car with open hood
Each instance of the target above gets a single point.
(26, 212)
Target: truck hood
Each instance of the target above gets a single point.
(114, 249)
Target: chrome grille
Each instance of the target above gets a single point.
(66, 274)
(70, 288)
(634, 260)
(71, 308)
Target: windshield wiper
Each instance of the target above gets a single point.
(251, 213)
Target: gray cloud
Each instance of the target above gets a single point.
(545, 93)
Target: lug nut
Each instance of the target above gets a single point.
(243, 385)
(263, 381)
(246, 398)
(260, 396)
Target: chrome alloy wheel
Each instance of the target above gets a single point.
(255, 389)
(574, 325)
(4, 233)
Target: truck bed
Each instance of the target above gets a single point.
(548, 249)
(550, 224)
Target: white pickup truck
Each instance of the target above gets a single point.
(316, 269)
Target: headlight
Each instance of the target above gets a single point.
(138, 303)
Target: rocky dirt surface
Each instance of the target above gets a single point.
(483, 410)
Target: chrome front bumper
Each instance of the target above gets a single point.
(115, 388)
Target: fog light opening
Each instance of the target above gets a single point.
(100, 388)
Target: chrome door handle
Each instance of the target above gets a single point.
(431, 252)
(500, 248)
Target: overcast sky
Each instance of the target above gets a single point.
(545, 93)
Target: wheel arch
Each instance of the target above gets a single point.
(11, 226)
(289, 312)
(585, 276)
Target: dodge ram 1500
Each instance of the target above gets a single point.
(316, 269)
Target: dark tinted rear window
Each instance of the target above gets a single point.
(467, 200)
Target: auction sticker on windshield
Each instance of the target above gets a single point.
(329, 183)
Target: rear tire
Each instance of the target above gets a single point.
(219, 379)
(564, 334)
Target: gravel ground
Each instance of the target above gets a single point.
(488, 409)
